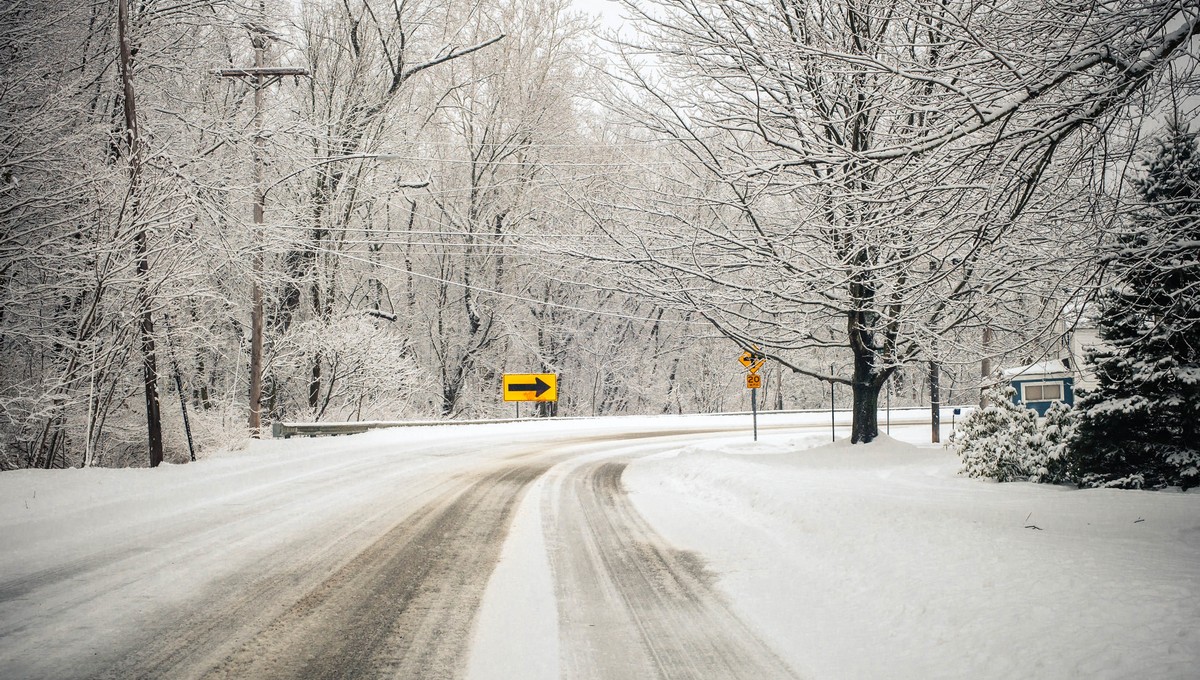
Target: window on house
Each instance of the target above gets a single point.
(1043, 392)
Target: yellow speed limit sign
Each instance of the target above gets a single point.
(753, 381)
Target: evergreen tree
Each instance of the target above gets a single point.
(1139, 427)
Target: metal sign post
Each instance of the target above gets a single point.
(832, 408)
(753, 360)
(753, 383)
(754, 411)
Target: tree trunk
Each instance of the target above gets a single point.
(865, 427)
(314, 384)
(451, 388)
(935, 402)
(985, 367)
(779, 389)
(149, 362)
(865, 387)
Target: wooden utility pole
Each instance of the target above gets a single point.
(149, 362)
(260, 77)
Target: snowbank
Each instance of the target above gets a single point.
(880, 561)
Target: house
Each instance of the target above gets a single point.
(1041, 384)
(1081, 340)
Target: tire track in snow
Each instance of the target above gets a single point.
(632, 606)
(110, 620)
(404, 606)
(157, 532)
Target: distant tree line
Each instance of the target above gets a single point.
(455, 189)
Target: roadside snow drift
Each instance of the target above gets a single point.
(879, 561)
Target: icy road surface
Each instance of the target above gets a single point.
(625, 548)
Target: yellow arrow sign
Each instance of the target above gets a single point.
(530, 387)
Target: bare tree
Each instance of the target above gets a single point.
(363, 57)
(99, 196)
(877, 175)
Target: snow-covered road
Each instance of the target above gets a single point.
(365, 556)
(167, 573)
(621, 548)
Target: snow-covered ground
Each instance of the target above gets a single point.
(882, 562)
(851, 562)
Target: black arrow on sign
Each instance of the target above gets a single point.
(538, 387)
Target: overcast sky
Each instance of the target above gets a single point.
(608, 11)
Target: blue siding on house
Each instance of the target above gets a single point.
(1068, 390)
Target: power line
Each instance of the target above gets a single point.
(523, 164)
(426, 232)
(520, 298)
(527, 145)
(522, 182)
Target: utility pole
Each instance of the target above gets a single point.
(260, 77)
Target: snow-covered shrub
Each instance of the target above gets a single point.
(997, 441)
(1049, 456)
(1007, 442)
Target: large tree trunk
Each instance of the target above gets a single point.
(865, 388)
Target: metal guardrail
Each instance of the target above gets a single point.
(288, 430)
(284, 430)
